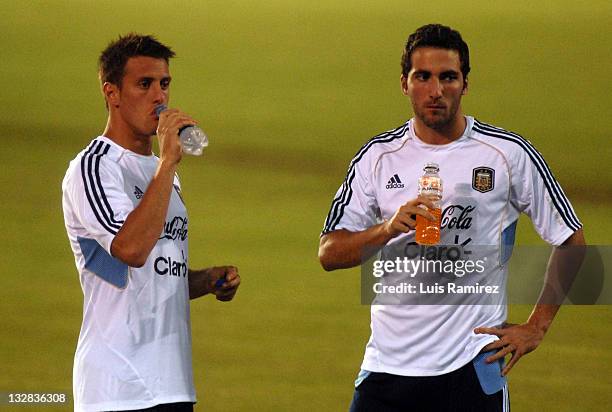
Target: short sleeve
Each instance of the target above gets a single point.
(354, 207)
(97, 197)
(537, 193)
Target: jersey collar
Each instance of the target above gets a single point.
(466, 135)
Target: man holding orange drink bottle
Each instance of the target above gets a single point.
(443, 357)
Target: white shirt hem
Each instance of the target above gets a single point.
(380, 367)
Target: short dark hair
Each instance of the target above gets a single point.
(114, 57)
(436, 35)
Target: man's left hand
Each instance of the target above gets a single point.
(514, 339)
(223, 282)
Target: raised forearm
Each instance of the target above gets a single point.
(141, 229)
(343, 249)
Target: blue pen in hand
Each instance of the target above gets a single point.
(219, 282)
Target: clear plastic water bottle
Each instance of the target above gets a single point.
(430, 186)
(193, 139)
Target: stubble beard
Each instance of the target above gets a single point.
(149, 131)
(438, 122)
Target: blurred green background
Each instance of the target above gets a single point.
(288, 91)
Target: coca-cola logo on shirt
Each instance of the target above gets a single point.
(175, 229)
(457, 217)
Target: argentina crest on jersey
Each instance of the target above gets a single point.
(483, 179)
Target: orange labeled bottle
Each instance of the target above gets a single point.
(430, 186)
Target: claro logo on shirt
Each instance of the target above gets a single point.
(170, 266)
(175, 229)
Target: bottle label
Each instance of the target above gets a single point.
(430, 186)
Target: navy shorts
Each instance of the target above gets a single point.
(458, 391)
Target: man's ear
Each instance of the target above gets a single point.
(111, 93)
(465, 87)
(404, 83)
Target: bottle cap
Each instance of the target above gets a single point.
(431, 167)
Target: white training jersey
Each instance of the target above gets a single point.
(489, 177)
(134, 348)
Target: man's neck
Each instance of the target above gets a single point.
(445, 135)
(128, 139)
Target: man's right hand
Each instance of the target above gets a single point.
(140, 232)
(342, 249)
(170, 122)
(404, 219)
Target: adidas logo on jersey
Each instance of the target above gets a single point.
(394, 182)
(138, 193)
